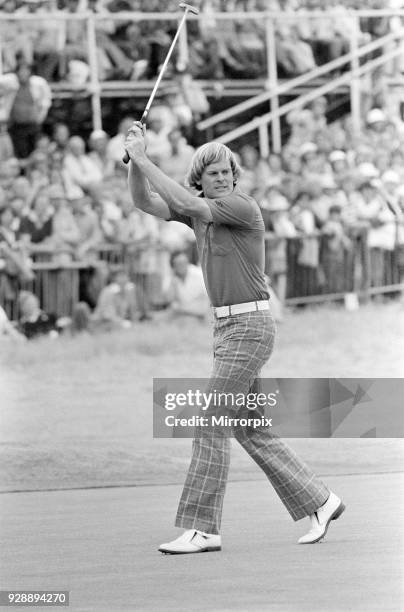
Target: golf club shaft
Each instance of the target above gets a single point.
(159, 78)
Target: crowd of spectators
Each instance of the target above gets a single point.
(64, 200)
(333, 183)
(68, 200)
(133, 50)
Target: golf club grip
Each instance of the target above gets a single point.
(126, 157)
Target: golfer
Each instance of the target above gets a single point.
(230, 237)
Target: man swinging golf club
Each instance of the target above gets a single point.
(230, 237)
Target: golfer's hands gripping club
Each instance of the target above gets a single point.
(135, 144)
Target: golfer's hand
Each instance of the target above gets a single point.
(135, 141)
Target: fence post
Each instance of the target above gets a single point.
(263, 140)
(273, 83)
(93, 63)
(355, 89)
(366, 266)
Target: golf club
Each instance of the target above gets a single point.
(188, 9)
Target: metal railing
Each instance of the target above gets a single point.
(57, 286)
(262, 122)
(303, 79)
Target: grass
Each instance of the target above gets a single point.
(78, 411)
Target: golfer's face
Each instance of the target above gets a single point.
(217, 180)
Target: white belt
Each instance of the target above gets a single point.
(233, 309)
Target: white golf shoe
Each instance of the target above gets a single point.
(320, 520)
(192, 541)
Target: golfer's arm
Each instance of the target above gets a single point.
(177, 198)
(142, 196)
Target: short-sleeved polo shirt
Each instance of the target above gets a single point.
(231, 249)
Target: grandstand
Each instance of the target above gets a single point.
(295, 81)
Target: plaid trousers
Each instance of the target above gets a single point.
(242, 344)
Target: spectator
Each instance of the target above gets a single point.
(98, 145)
(139, 233)
(18, 208)
(37, 169)
(375, 126)
(80, 171)
(329, 39)
(9, 172)
(206, 57)
(160, 123)
(106, 200)
(75, 36)
(16, 45)
(292, 182)
(33, 321)
(91, 278)
(27, 98)
(294, 56)
(397, 164)
(15, 265)
(115, 147)
(336, 246)
(43, 144)
(176, 165)
(256, 173)
(318, 109)
(36, 224)
(279, 228)
(136, 46)
(339, 167)
(300, 122)
(56, 170)
(89, 227)
(307, 279)
(7, 328)
(8, 226)
(324, 194)
(60, 138)
(65, 236)
(44, 38)
(247, 48)
(187, 294)
(374, 209)
(272, 200)
(275, 166)
(22, 189)
(159, 42)
(116, 306)
(178, 99)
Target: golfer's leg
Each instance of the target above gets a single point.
(201, 502)
(299, 489)
(242, 345)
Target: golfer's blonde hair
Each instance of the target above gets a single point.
(210, 153)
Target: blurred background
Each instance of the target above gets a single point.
(97, 297)
(308, 94)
